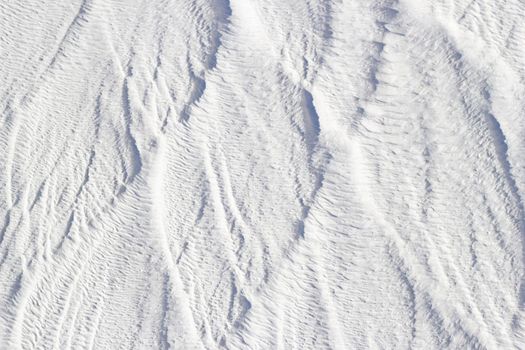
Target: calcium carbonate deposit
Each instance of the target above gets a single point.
(262, 174)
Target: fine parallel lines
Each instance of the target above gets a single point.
(249, 174)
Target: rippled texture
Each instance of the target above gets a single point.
(262, 174)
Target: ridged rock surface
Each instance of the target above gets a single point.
(262, 174)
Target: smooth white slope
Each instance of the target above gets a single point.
(252, 174)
